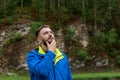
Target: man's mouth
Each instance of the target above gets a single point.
(50, 39)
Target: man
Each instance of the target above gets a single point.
(47, 62)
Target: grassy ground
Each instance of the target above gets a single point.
(81, 76)
(97, 76)
(18, 77)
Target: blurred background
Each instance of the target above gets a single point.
(88, 31)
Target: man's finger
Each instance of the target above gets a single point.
(47, 43)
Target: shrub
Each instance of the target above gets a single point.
(34, 27)
(57, 26)
(118, 60)
(11, 19)
(1, 50)
(83, 54)
(105, 41)
(64, 14)
(104, 78)
(112, 36)
(99, 41)
(70, 33)
(14, 37)
(113, 52)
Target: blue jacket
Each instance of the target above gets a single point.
(41, 66)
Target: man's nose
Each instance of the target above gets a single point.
(50, 34)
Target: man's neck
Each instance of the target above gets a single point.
(44, 47)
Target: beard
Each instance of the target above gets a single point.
(44, 43)
(49, 40)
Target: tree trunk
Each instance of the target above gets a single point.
(44, 8)
(71, 6)
(109, 11)
(21, 8)
(95, 15)
(4, 7)
(118, 4)
(83, 6)
(51, 4)
(58, 5)
(58, 8)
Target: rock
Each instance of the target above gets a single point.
(60, 40)
(3, 33)
(1, 70)
(23, 67)
(11, 74)
(1, 38)
(78, 64)
(84, 43)
(81, 34)
(24, 31)
(101, 62)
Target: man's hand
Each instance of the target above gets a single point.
(51, 46)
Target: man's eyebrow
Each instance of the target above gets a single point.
(45, 32)
(48, 31)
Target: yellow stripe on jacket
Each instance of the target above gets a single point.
(58, 57)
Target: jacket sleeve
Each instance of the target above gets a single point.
(40, 66)
(68, 70)
(69, 75)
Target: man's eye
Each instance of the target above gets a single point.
(45, 33)
(51, 32)
(48, 32)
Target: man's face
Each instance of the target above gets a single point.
(46, 34)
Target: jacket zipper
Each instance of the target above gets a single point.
(54, 72)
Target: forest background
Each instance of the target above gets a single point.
(89, 29)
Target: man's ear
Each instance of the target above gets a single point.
(39, 40)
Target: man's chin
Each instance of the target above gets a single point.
(49, 42)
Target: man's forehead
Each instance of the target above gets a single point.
(45, 29)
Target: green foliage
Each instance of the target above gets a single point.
(39, 7)
(3, 76)
(112, 36)
(64, 14)
(34, 28)
(70, 33)
(104, 41)
(14, 37)
(1, 50)
(104, 78)
(81, 76)
(98, 41)
(83, 54)
(113, 52)
(11, 19)
(118, 60)
(105, 10)
(56, 26)
(83, 16)
(96, 76)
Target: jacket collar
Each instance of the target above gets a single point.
(58, 57)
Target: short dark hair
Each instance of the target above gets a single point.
(41, 27)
